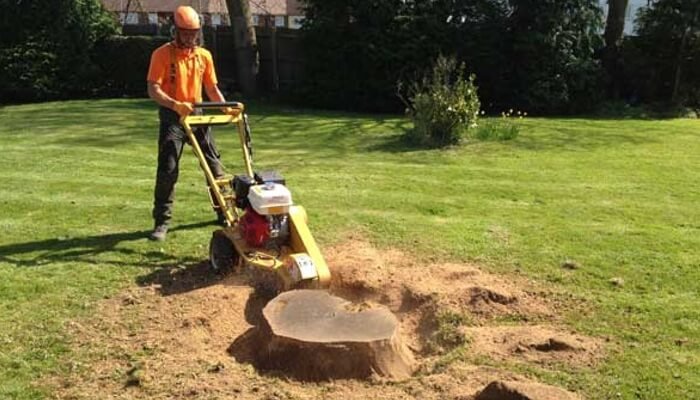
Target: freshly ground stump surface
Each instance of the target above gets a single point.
(182, 332)
(315, 336)
(314, 316)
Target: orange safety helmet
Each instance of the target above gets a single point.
(186, 18)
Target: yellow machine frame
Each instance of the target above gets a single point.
(224, 199)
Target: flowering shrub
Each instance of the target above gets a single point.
(507, 127)
(443, 105)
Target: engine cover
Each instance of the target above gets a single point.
(270, 199)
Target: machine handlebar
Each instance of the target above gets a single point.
(210, 104)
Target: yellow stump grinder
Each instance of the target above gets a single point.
(265, 233)
(309, 334)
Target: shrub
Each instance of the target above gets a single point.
(123, 62)
(442, 105)
(46, 46)
(551, 55)
(29, 69)
(356, 50)
(662, 61)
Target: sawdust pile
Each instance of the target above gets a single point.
(186, 333)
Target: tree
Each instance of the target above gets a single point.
(536, 54)
(246, 45)
(357, 50)
(477, 30)
(45, 47)
(669, 38)
(552, 54)
(614, 31)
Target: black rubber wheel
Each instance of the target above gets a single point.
(223, 257)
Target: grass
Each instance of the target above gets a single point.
(617, 197)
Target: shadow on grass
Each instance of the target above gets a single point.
(323, 138)
(293, 132)
(120, 123)
(399, 144)
(85, 249)
(99, 123)
(575, 134)
(542, 136)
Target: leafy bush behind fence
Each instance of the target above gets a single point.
(535, 54)
(45, 47)
(123, 63)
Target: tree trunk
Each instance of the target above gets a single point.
(246, 46)
(679, 67)
(614, 32)
(681, 56)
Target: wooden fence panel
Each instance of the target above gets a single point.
(290, 54)
(280, 55)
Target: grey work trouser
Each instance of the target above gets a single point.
(170, 144)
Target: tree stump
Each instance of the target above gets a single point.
(512, 390)
(312, 335)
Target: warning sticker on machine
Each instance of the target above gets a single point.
(305, 267)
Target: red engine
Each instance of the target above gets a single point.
(255, 228)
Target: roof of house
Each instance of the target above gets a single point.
(274, 7)
(294, 7)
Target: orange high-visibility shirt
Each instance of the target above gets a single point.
(192, 67)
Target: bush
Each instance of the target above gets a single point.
(29, 69)
(442, 105)
(356, 50)
(553, 68)
(539, 55)
(123, 62)
(46, 46)
(662, 61)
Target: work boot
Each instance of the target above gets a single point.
(159, 233)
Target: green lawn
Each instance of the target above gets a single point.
(618, 197)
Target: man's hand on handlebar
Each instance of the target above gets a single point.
(231, 111)
(183, 108)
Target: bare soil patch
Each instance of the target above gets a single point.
(538, 344)
(185, 332)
